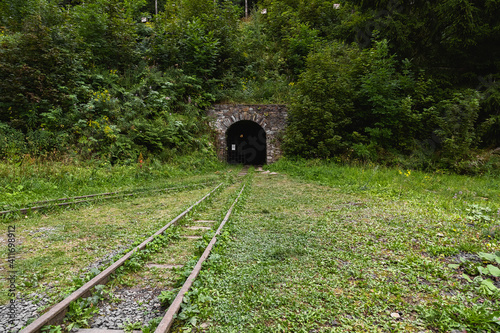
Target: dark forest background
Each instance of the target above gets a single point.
(410, 83)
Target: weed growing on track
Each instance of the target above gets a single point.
(126, 275)
(57, 247)
(364, 253)
(32, 180)
(198, 297)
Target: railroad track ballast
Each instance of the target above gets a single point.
(185, 237)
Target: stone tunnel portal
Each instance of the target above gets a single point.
(246, 143)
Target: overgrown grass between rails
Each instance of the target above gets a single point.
(60, 204)
(137, 261)
(82, 310)
(35, 180)
(54, 248)
(197, 299)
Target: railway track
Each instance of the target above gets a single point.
(183, 232)
(46, 204)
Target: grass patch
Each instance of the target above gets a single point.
(358, 253)
(32, 180)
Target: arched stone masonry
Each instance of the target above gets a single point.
(272, 118)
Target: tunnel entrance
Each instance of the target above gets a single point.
(246, 143)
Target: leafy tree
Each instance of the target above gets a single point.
(385, 102)
(39, 68)
(456, 120)
(489, 114)
(13, 13)
(322, 109)
(107, 31)
(196, 35)
(457, 40)
(360, 100)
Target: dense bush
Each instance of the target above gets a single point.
(367, 105)
(322, 111)
(86, 81)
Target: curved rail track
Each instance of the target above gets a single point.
(55, 315)
(109, 195)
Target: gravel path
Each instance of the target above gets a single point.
(14, 316)
(131, 305)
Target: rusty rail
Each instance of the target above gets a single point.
(108, 195)
(168, 319)
(56, 314)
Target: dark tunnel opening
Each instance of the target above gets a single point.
(246, 143)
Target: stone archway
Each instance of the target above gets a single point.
(246, 143)
(270, 118)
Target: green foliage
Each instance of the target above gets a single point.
(298, 44)
(166, 297)
(385, 95)
(80, 312)
(489, 114)
(199, 50)
(106, 32)
(11, 141)
(74, 84)
(138, 259)
(352, 98)
(193, 303)
(95, 80)
(367, 105)
(129, 326)
(13, 14)
(196, 36)
(491, 257)
(191, 45)
(456, 39)
(456, 121)
(39, 68)
(322, 109)
(152, 325)
(479, 214)
(481, 281)
(446, 317)
(52, 329)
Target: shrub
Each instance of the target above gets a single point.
(456, 119)
(385, 101)
(11, 141)
(322, 107)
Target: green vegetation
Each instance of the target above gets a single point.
(383, 81)
(55, 250)
(31, 180)
(329, 247)
(57, 253)
(342, 249)
(91, 80)
(388, 102)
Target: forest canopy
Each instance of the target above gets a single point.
(413, 83)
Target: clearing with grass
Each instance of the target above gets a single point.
(312, 247)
